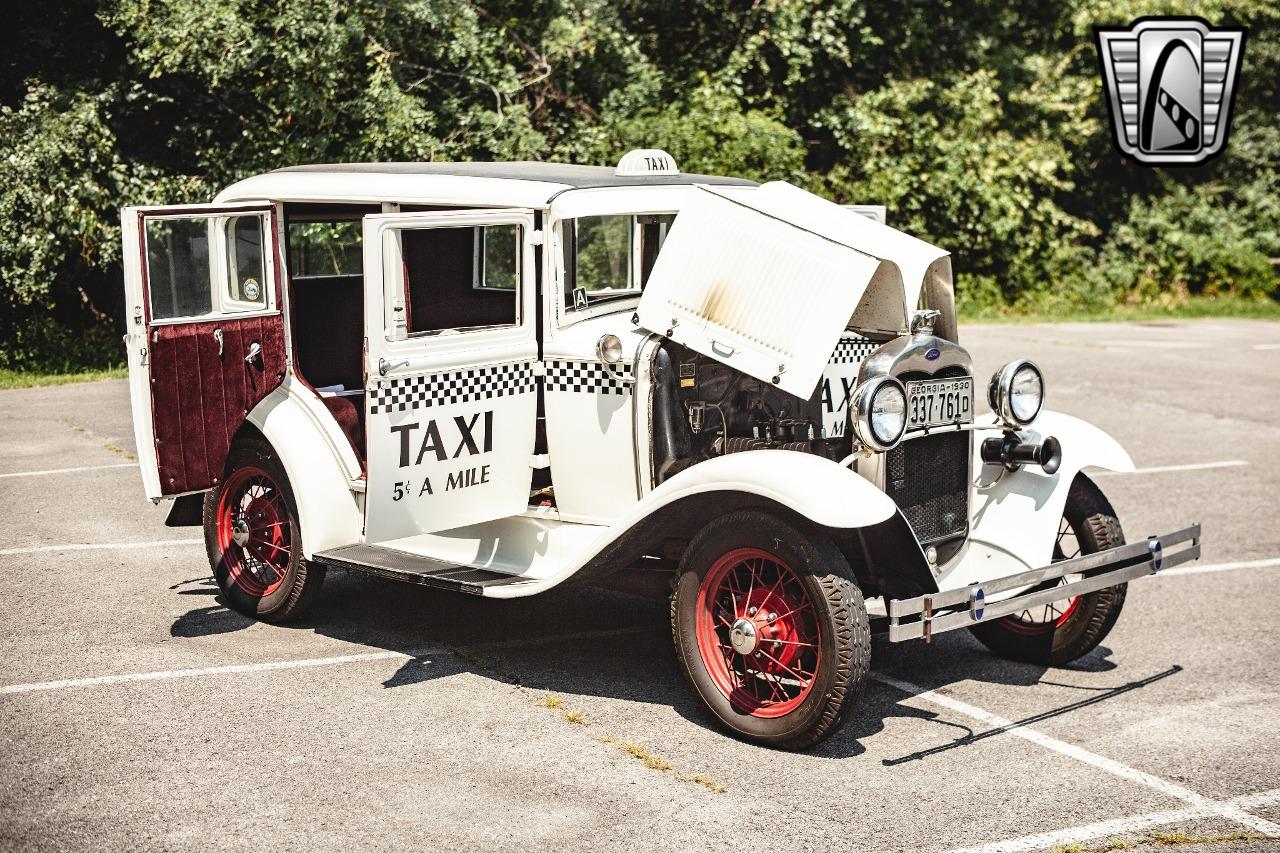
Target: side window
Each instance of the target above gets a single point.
(497, 250)
(178, 268)
(325, 249)
(186, 279)
(441, 269)
(246, 267)
(609, 257)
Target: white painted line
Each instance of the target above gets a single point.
(1084, 756)
(1118, 826)
(1209, 568)
(196, 673)
(69, 470)
(270, 666)
(1266, 346)
(1164, 469)
(99, 546)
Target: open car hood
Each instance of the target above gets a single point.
(765, 279)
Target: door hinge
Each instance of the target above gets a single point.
(536, 237)
(540, 460)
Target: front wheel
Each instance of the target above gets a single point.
(1066, 630)
(252, 535)
(770, 629)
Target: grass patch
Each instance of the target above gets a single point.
(575, 717)
(1196, 307)
(641, 753)
(710, 784)
(25, 379)
(550, 702)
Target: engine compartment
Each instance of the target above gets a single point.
(702, 408)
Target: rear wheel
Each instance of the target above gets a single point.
(770, 629)
(1066, 630)
(253, 538)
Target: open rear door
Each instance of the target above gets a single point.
(205, 334)
(452, 352)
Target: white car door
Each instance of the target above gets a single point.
(451, 393)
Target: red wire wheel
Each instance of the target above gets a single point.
(254, 533)
(1049, 617)
(757, 633)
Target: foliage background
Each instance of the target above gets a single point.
(980, 123)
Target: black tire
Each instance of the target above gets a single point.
(1093, 523)
(287, 590)
(808, 568)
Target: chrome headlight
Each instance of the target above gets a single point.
(1016, 393)
(609, 349)
(880, 407)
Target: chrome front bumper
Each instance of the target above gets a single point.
(926, 615)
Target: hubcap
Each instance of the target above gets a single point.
(742, 636)
(240, 532)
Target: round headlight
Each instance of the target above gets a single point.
(1017, 393)
(881, 407)
(609, 349)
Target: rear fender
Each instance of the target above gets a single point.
(328, 510)
(1015, 514)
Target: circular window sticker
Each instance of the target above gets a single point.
(251, 289)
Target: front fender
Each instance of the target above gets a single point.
(811, 486)
(1015, 514)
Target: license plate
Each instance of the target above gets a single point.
(939, 402)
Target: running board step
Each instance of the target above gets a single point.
(412, 568)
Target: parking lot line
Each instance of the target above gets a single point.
(1118, 826)
(1164, 469)
(69, 470)
(1084, 756)
(1209, 568)
(98, 546)
(304, 663)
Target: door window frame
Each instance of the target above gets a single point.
(217, 219)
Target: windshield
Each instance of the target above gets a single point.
(610, 257)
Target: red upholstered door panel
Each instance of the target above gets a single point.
(201, 392)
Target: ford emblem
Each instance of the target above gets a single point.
(932, 354)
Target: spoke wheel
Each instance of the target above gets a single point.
(770, 629)
(758, 633)
(1069, 628)
(254, 532)
(1050, 616)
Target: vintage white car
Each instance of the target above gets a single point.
(497, 377)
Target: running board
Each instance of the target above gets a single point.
(415, 569)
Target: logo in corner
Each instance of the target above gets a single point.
(1169, 85)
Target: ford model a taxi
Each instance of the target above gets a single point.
(493, 378)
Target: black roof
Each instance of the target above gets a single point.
(526, 170)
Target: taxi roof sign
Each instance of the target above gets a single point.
(647, 161)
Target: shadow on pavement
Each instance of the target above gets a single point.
(515, 642)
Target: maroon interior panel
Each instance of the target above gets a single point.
(349, 413)
(200, 398)
(440, 263)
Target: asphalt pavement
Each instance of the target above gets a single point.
(138, 713)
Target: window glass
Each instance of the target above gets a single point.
(441, 268)
(246, 268)
(497, 257)
(178, 268)
(325, 248)
(602, 262)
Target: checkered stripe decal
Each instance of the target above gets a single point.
(852, 350)
(444, 389)
(588, 377)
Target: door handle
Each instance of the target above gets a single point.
(255, 353)
(217, 336)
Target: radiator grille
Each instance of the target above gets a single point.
(929, 480)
